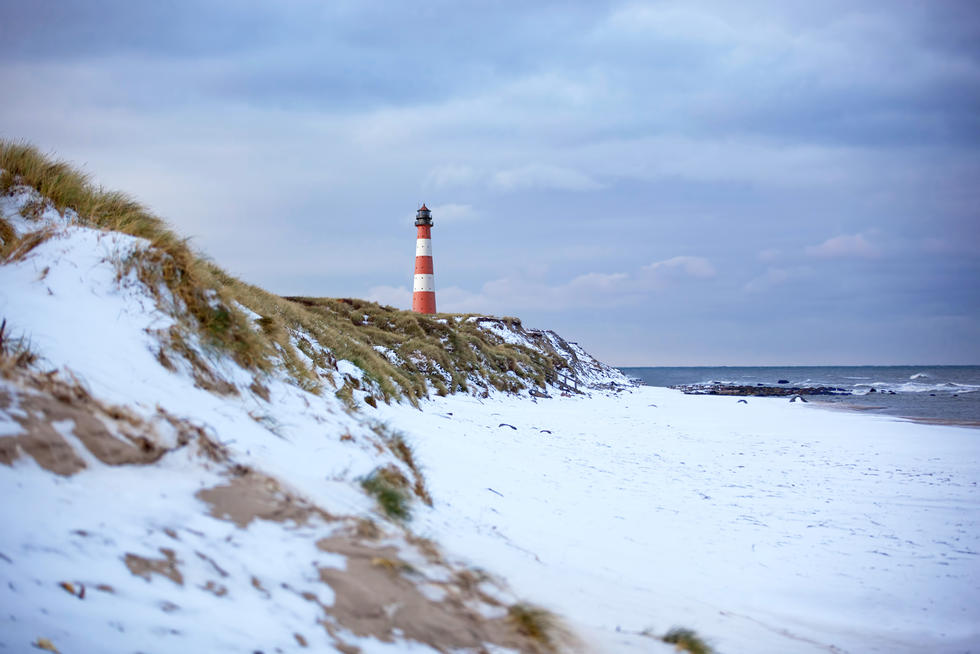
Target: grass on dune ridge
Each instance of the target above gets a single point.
(402, 354)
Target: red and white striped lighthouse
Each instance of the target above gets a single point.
(424, 293)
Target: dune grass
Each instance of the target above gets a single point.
(687, 640)
(193, 282)
(390, 489)
(402, 354)
(15, 351)
(397, 444)
(537, 624)
(450, 352)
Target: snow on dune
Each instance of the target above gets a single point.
(143, 512)
(587, 370)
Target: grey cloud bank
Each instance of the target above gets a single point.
(668, 183)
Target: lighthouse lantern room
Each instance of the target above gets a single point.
(424, 294)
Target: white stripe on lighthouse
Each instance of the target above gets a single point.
(425, 283)
(423, 247)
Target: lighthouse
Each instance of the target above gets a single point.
(424, 294)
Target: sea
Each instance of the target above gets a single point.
(943, 394)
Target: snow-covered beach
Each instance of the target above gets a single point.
(235, 520)
(767, 526)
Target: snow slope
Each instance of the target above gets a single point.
(144, 512)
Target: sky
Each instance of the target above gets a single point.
(666, 183)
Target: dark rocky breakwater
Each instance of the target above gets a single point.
(758, 390)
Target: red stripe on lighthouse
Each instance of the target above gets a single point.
(423, 265)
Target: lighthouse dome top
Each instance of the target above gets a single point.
(424, 216)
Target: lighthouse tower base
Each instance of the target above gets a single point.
(424, 302)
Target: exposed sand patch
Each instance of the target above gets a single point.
(376, 596)
(146, 568)
(253, 495)
(217, 589)
(40, 441)
(114, 435)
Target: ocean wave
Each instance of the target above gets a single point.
(914, 387)
(919, 375)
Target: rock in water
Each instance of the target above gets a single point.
(762, 391)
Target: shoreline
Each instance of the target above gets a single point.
(944, 421)
(820, 400)
(872, 409)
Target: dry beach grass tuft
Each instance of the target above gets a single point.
(687, 640)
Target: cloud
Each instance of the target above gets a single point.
(598, 283)
(543, 176)
(589, 290)
(845, 246)
(697, 267)
(510, 294)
